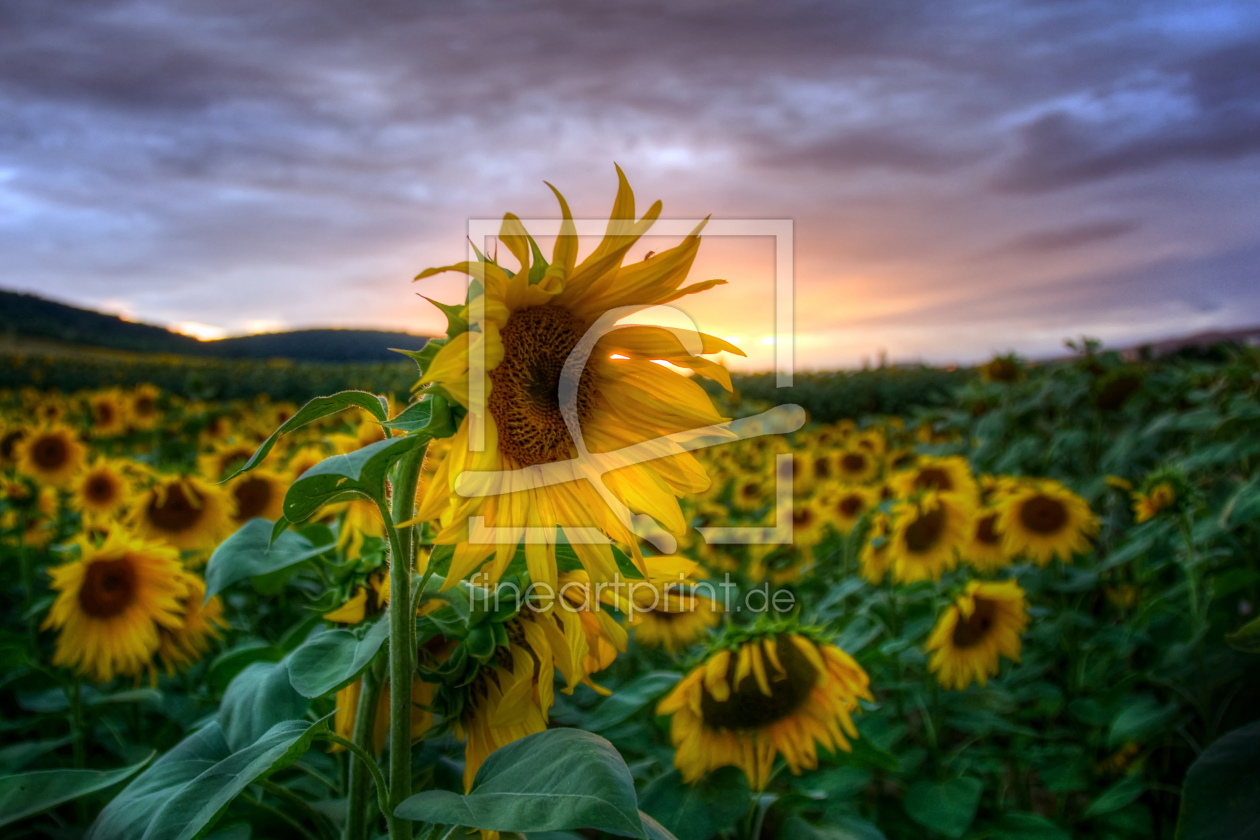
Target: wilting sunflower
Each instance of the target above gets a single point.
(950, 474)
(184, 511)
(527, 323)
(112, 603)
(927, 535)
(180, 647)
(973, 634)
(103, 490)
(1146, 505)
(142, 407)
(985, 551)
(844, 507)
(771, 694)
(108, 413)
(51, 455)
(258, 493)
(1043, 520)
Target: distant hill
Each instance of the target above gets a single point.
(29, 316)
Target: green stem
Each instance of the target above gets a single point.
(357, 785)
(402, 639)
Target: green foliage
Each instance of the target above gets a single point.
(27, 794)
(1222, 791)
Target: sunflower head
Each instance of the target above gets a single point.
(1003, 369)
(761, 693)
(107, 412)
(51, 455)
(103, 490)
(950, 474)
(258, 493)
(928, 532)
(846, 506)
(183, 511)
(1043, 520)
(986, 552)
(112, 604)
(974, 632)
(143, 411)
(10, 437)
(181, 646)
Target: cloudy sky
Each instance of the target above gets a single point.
(962, 177)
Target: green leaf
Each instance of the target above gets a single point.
(840, 827)
(1221, 796)
(327, 662)
(629, 698)
(26, 794)
(947, 807)
(16, 756)
(424, 356)
(1117, 796)
(361, 472)
(319, 407)
(1022, 827)
(699, 811)
(259, 698)
(251, 552)
(193, 810)
(1246, 638)
(538, 264)
(550, 781)
(653, 829)
(1141, 719)
(231, 662)
(430, 413)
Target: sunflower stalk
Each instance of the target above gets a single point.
(361, 762)
(402, 638)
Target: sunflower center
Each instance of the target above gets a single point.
(933, 478)
(175, 513)
(853, 462)
(144, 406)
(986, 530)
(748, 708)
(252, 496)
(103, 414)
(1043, 515)
(850, 506)
(750, 490)
(100, 488)
(49, 452)
(822, 467)
(525, 393)
(975, 629)
(802, 517)
(922, 533)
(109, 587)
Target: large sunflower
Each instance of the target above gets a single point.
(51, 455)
(972, 635)
(1043, 520)
(179, 647)
(113, 602)
(927, 534)
(772, 694)
(524, 326)
(184, 511)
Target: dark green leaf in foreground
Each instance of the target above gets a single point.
(1221, 797)
(26, 794)
(430, 413)
(1246, 638)
(361, 472)
(1117, 796)
(260, 697)
(630, 698)
(550, 781)
(836, 828)
(947, 807)
(319, 407)
(250, 552)
(328, 661)
(699, 811)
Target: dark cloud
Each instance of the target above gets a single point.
(1066, 238)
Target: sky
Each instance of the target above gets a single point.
(962, 178)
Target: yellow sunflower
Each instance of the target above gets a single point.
(927, 534)
(103, 490)
(180, 647)
(224, 458)
(951, 474)
(972, 635)
(258, 493)
(750, 493)
(773, 694)
(1146, 505)
(873, 560)
(857, 465)
(1043, 520)
(111, 604)
(37, 518)
(366, 601)
(846, 506)
(526, 324)
(108, 413)
(142, 407)
(305, 457)
(185, 512)
(51, 455)
(668, 609)
(985, 552)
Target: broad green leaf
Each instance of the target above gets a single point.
(947, 807)
(1246, 638)
(331, 660)
(192, 810)
(699, 811)
(16, 756)
(1139, 720)
(231, 662)
(55, 699)
(251, 551)
(842, 827)
(1117, 796)
(653, 829)
(630, 698)
(128, 814)
(258, 699)
(550, 781)
(362, 472)
(1221, 796)
(26, 794)
(319, 407)
(430, 413)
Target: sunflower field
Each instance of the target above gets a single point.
(1023, 610)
